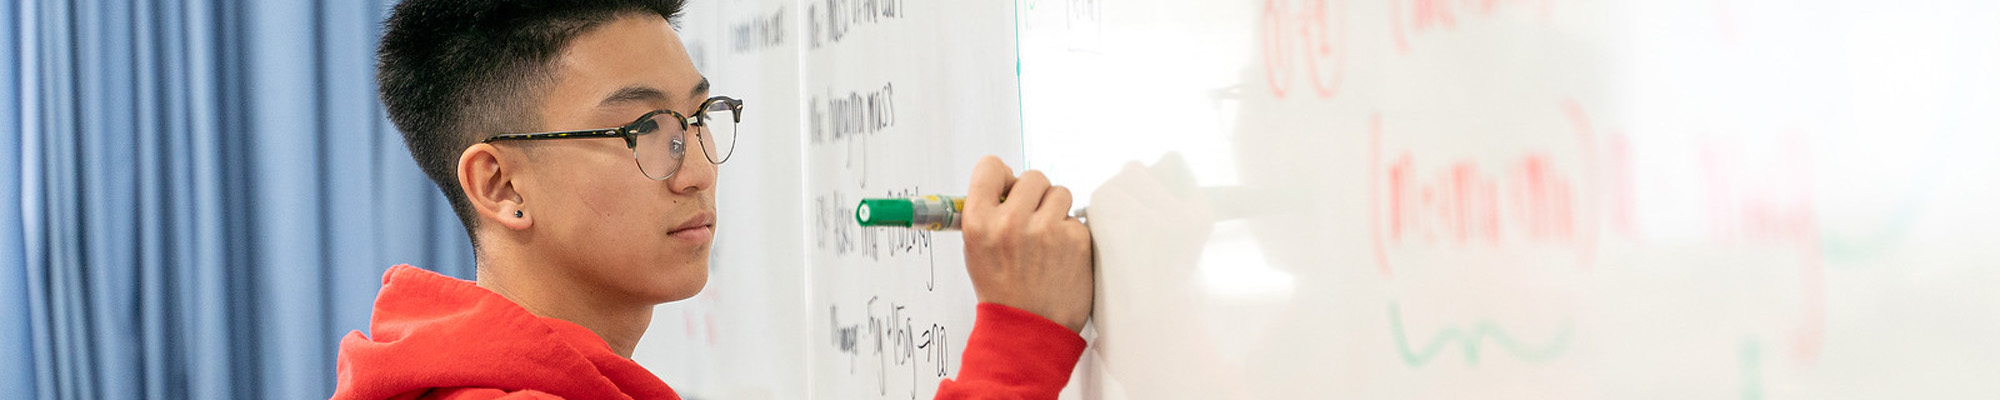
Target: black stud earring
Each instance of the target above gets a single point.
(517, 213)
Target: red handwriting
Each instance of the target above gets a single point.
(1754, 192)
(700, 324)
(1759, 198)
(1309, 35)
(1725, 23)
(1425, 16)
(1765, 198)
(1622, 198)
(1465, 203)
(1526, 199)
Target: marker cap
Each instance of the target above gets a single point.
(885, 212)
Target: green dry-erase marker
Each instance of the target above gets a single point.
(928, 212)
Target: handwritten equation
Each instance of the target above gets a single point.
(1517, 208)
(833, 20)
(835, 117)
(1750, 191)
(833, 213)
(894, 339)
(1304, 43)
(1417, 17)
(1304, 38)
(1464, 202)
(760, 32)
(1526, 199)
(1761, 195)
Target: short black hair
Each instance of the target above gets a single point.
(454, 71)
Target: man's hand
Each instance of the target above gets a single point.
(1026, 252)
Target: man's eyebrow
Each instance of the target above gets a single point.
(700, 91)
(635, 94)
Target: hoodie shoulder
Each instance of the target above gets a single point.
(432, 332)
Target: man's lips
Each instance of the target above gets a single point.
(700, 224)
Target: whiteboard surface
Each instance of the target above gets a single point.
(902, 98)
(743, 336)
(855, 99)
(1711, 199)
(1529, 199)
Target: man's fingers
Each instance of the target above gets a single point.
(1055, 204)
(990, 178)
(1027, 193)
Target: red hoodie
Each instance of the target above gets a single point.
(438, 337)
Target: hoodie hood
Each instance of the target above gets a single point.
(434, 331)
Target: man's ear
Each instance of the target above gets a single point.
(488, 183)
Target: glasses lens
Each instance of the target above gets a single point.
(660, 145)
(718, 137)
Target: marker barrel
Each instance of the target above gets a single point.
(928, 212)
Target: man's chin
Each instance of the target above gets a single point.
(680, 285)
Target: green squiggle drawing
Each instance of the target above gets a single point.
(1748, 354)
(1472, 341)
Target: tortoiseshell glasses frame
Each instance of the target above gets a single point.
(660, 156)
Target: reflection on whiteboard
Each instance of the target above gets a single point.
(1527, 198)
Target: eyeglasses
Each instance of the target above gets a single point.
(659, 151)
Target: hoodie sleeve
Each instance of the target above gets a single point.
(1014, 354)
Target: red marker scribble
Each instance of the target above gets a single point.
(1430, 14)
(1469, 203)
(698, 318)
(711, 323)
(1812, 324)
(1311, 35)
(1375, 195)
(1425, 16)
(1725, 23)
(1277, 49)
(1618, 181)
(1528, 199)
(1586, 137)
(687, 322)
(1543, 200)
(1765, 199)
(1812, 269)
(1758, 198)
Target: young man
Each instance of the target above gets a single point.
(530, 116)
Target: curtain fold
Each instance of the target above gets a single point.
(15, 334)
(201, 197)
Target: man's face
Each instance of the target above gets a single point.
(620, 230)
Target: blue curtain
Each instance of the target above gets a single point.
(201, 197)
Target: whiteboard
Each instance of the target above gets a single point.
(1711, 199)
(855, 99)
(901, 97)
(1529, 198)
(743, 336)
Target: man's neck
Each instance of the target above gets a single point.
(541, 288)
